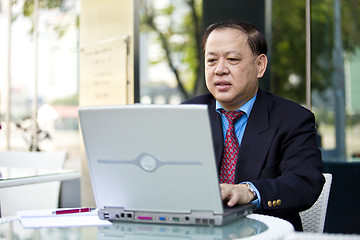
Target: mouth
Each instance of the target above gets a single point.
(222, 82)
(222, 85)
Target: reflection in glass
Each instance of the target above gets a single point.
(243, 228)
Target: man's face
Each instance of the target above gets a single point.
(231, 68)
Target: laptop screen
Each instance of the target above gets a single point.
(151, 157)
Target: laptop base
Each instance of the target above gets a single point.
(192, 218)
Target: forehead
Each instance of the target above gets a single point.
(227, 38)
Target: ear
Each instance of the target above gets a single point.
(261, 64)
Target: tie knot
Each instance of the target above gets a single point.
(232, 116)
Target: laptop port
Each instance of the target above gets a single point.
(145, 218)
(106, 216)
(162, 218)
(176, 219)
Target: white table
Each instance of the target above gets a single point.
(277, 227)
(31, 188)
(252, 227)
(40, 177)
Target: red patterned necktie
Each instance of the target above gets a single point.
(231, 149)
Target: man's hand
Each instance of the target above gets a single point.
(235, 194)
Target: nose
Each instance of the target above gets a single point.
(221, 68)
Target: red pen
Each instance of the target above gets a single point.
(75, 210)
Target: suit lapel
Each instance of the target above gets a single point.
(256, 141)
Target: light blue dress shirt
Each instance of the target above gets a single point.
(240, 126)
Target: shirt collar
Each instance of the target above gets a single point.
(246, 108)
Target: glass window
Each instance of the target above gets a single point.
(170, 54)
(335, 73)
(170, 66)
(334, 55)
(57, 75)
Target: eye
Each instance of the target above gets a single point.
(233, 60)
(211, 60)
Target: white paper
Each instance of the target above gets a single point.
(46, 218)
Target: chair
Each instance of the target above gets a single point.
(313, 219)
(32, 196)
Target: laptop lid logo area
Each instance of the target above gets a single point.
(147, 162)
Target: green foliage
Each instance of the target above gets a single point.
(179, 38)
(322, 44)
(28, 11)
(289, 44)
(28, 7)
(351, 24)
(288, 56)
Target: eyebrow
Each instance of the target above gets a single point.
(232, 52)
(210, 54)
(226, 53)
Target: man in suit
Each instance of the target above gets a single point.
(278, 164)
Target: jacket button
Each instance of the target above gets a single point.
(269, 203)
(278, 202)
(274, 203)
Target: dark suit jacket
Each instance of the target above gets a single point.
(278, 154)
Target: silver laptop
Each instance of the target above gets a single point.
(154, 163)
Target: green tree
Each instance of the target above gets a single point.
(288, 49)
(288, 38)
(28, 11)
(180, 39)
(288, 41)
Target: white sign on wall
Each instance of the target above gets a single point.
(104, 72)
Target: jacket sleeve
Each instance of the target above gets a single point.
(293, 179)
